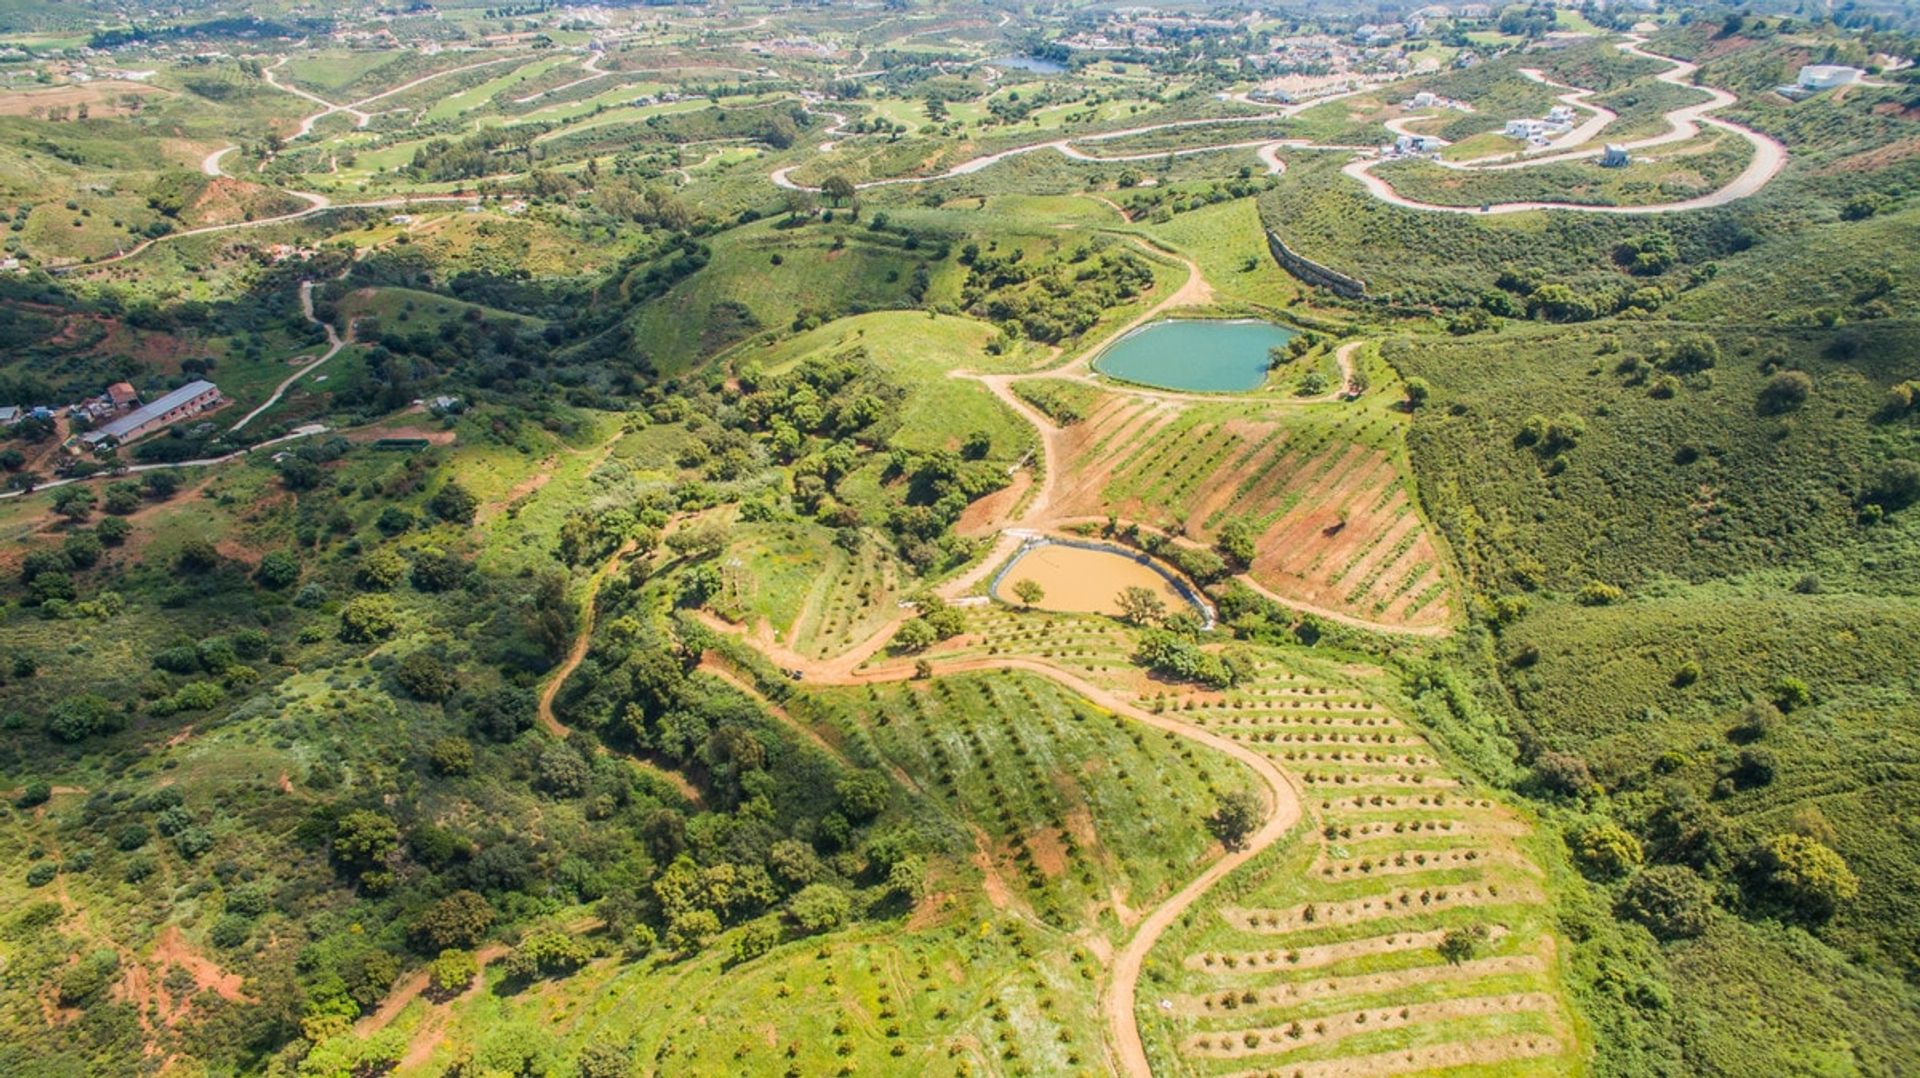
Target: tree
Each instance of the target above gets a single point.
(1564, 773)
(367, 618)
(113, 531)
(451, 756)
(837, 189)
(1670, 900)
(754, 940)
(363, 843)
(1235, 819)
(74, 502)
(1238, 542)
(1029, 591)
(820, 907)
(863, 794)
(1607, 850)
(83, 715)
(453, 504)
(1141, 606)
(196, 556)
(1417, 392)
(380, 570)
(278, 570)
(423, 676)
(452, 972)
(83, 549)
(1785, 392)
(1804, 874)
(1895, 486)
(1460, 943)
(547, 953)
(915, 634)
(122, 498)
(462, 919)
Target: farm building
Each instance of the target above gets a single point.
(189, 400)
(1615, 156)
(122, 396)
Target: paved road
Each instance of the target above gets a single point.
(1769, 156)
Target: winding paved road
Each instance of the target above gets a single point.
(1769, 155)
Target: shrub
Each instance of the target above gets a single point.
(1596, 593)
(451, 756)
(1671, 901)
(1803, 874)
(820, 907)
(1895, 486)
(423, 676)
(452, 503)
(461, 919)
(452, 972)
(368, 618)
(278, 570)
(1564, 773)
(754, 940)
(1608, 850)
(1785, 392)
(81, 716)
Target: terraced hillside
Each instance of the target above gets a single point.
(1325, 491)
(813, 594)
(1406, 932)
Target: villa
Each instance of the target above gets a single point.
(1826, 76)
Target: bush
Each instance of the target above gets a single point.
(820, 907)
(1607, 850)
(1563, 773)
(85, 715)
(452, 503)
(1785, 392)
(368, 618)
(461, 919)
(1802, 874)
(423, 676)
(1895, 486)
(452, 972)
(1670, 901)
(278, 570)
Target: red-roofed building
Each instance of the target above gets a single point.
(122, 395)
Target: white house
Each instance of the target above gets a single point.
(1615, 156)
(1423, 100)
(1560, 114)
(1825, 76)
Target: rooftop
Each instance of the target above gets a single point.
(146, 413)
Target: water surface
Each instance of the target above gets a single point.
(1206, 356)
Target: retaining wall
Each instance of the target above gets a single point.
(1313, 272)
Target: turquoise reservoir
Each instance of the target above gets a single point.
(1206, 356)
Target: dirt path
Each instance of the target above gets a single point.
(576, 654)
(714, 666)
(335, 342)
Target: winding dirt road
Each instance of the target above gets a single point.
(335, 342)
